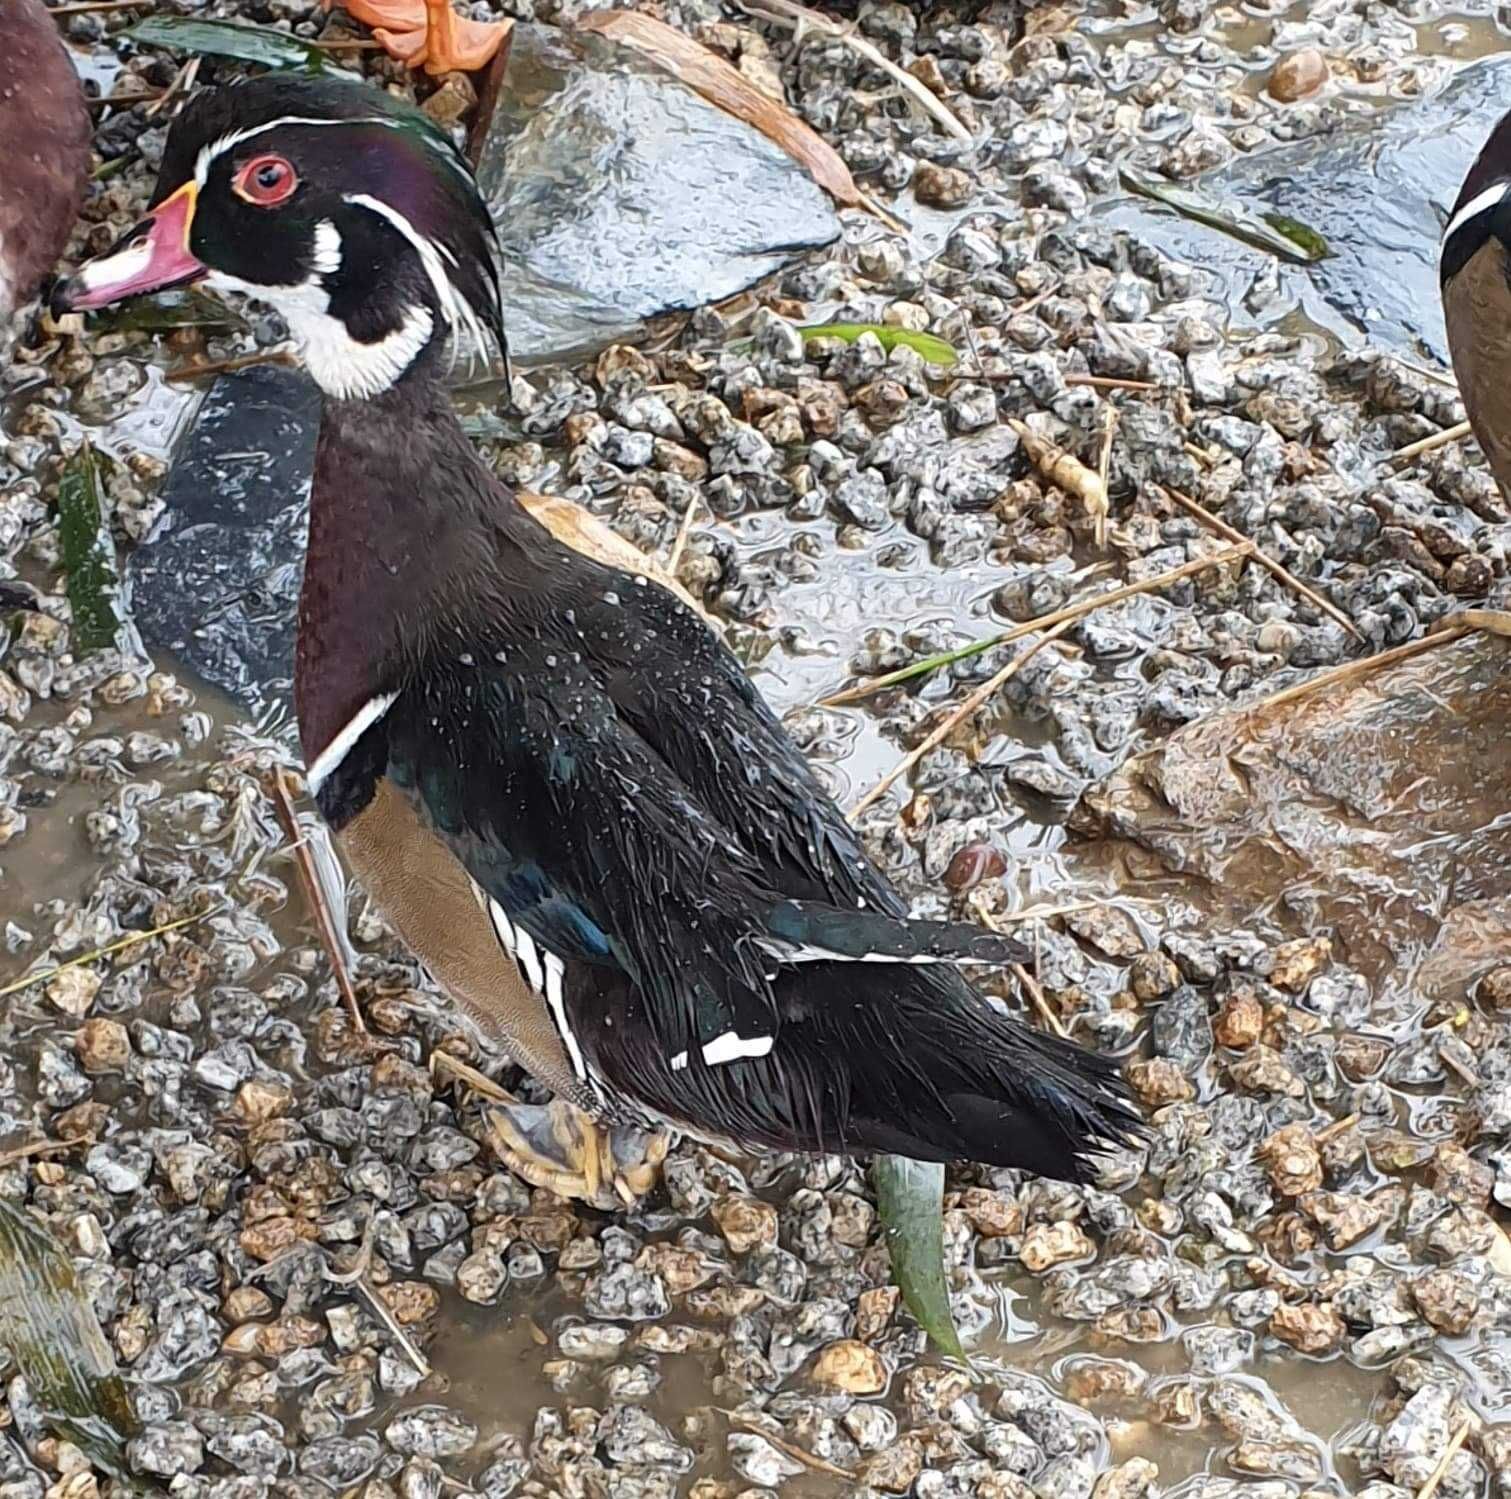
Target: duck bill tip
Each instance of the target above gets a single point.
(154, 256)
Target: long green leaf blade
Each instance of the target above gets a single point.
(910, 1204)
(88, 553)
(257, 44)
(929, 346)
(49, 1328)
(1287, 238)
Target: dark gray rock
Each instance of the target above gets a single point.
(1378, 191)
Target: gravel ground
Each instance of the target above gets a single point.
(257, 1194)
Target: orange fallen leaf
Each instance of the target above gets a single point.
(728, 88)
(429, 33)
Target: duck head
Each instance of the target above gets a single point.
(343, 209)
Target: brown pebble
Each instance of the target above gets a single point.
(1494, 989)
(247, 1303)
(850, 1366)
(1153, 975)
(973, 864)
(874, 1309)
(410, 1301)
(1297, 963)
(258, 1101)
(1239, 1021)
(1297, 75)
(103, 1046)
(942, 187)
(994, 1215)
(1447, 1299)
(1308, 1329)
(746, 1222)
(1293, 1159)
(1047, 1244)
(1158, 1081)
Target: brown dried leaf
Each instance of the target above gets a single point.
(725, 86)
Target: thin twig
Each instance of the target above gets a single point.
(36, 1148)
(363, 1263)
(1427, 444)
(87, 7)
(1109, 431)
(1362, 667)
(129, 940)
(980, 696)
(325, 922)
(183, 81)
(347, 44)
(683, 532)
(1434, 1478)
(1231, 533)
(228, 366)
(1044, 913)
(462, 1072)
(139, 96)
(794, 16)
(386, 1316)
(1337, 1127)
(1033, 626)
(1031, 985)
(792, 1450)
(1106, 382)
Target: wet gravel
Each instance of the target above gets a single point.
(297, 1235)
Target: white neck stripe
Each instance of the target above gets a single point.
(328, 761)
(1482, 202)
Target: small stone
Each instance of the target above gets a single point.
(1153, 975)
(410, 1301)
(942, 187)
(746, 1222)
(1447, 1299)
(994, 1215)
(874, 1309)
(1308, 1329)
(1239, 1021)
(1158, 1081)
(453, 101)
(1294, 1161)
(1047, 1244)
(258, 1101)
(1344, 1219)
(1297, 75)
(757, 1461)
(1494, 989)
(973, 864)
(73, 990)
(103, 1046)
(1296, 963)
(246, 1303)
(1456, 1175)
(852, 1367)
(895, 1469)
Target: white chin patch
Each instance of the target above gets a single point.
(339, 364)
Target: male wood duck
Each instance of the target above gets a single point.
(1475, 270)
(44, 124)
(561, 789)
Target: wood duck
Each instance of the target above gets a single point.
(44, 124)
(558, 785)
(1475, 271)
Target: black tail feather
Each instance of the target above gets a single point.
(907, 1060)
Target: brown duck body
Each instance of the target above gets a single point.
(45, 135)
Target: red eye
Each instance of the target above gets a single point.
(266, 180)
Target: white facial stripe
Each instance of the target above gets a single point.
(328, 761)
(1482, 202)
(454, 306)
(732, 1048)
(233, 138)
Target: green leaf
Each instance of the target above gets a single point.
(1273, 232)
(88, 553)
(931, 347)
(48, 1326)
(164, 313)
(259, 44)
(910, 1203)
